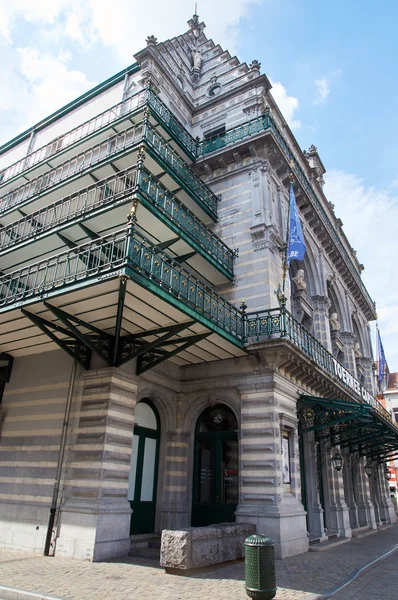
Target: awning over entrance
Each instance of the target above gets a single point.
(368, 430)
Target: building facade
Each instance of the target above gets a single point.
(153, 375)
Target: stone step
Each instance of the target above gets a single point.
(146, 553)
(362, 532)
(330, 543)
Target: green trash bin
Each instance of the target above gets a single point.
(260, 567)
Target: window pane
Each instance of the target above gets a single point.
(205, 472)
(229, 472)
(148, 470)
(133, 467)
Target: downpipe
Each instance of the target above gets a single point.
(57, 482)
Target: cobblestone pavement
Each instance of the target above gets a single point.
(378, 582)
(298, 578)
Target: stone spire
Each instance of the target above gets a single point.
(195, 25)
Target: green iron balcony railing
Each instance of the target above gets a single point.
(280, 323)
(186, 177)
(166, 278)
(232, 136)
(185, 221)
(72, 268)
(106, 195)
(266, 122)
(109, 150)
(102, 121)
(131, 253)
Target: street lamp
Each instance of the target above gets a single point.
(368, 469)
(387, 473)
(337, 461)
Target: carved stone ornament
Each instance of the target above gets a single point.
(334, 322)
(196, 59)
(299, 280)
(357, 350)
(151, 40)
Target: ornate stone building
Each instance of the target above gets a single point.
(150, 378)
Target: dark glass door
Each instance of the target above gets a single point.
(215, 489)
(143, 470)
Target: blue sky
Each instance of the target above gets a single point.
(333, 67)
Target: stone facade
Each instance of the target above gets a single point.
(287, 486)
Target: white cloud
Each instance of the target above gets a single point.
(370, 218)
(38, 79)
(288, 105)
(322, 90)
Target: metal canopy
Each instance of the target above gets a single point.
(357, 427)
(79, 339)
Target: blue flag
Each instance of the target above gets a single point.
(381, 360)
(296, 246)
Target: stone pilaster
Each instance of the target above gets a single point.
(337, 513)
(384, 496)
(366, 510)
(273, 506)
(176, 508)
(321, 306)
(350, 474)
(315, 516)
(95, 513)
(349, 357)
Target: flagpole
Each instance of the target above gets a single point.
(285, 266)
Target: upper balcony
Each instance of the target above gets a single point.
(27, 237)
(267, 124)
(113, 119)
(126, 291)
(278, 323)
(114, 154)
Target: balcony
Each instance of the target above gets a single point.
(106, 259)
(279, 323)
(267, 123)
(108, 151)
(109, 194)
(101, 122)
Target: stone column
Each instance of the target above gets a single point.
(95, 513)
(384, 495)
(264, 500)
(350, 474)
(347, 338)
(315, 516)
(374, 496)
(366, 511)
(337, 513)
(321, 306)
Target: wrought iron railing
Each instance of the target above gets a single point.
(172, 124)
(105, 151)
(186, 177)
(101, 121)
(157, 269)
(185, 219)
(68, 268)
(280, 323)
(68, 210)
(123, 249)
(267, 122)
(232, 136)
(106, 194)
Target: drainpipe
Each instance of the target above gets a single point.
(57, 482)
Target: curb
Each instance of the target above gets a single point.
(354, 574)
(8, 593)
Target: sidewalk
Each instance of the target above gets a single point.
(303, 577)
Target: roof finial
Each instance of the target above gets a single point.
(196, 9)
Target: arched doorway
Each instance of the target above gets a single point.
(215, 479)
(144, 468)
